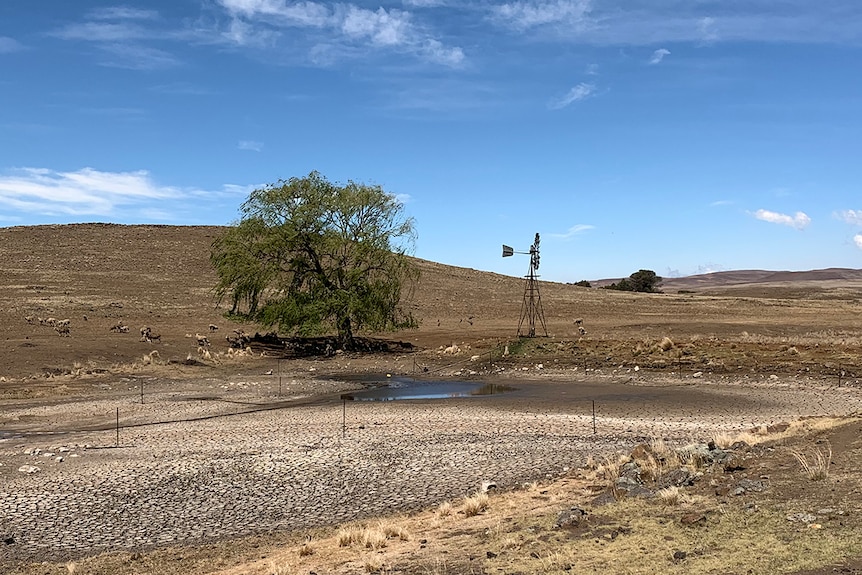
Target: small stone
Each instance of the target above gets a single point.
(28, 469)
(679, 555)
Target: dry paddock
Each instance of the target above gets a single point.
(219, 459)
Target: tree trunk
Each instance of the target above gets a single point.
(345, 334)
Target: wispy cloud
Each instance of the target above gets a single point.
(337, 31)
(649, 23)
(9, 45)
(720, 203)
(853, 217)
(573, 231)
(90, 192)
(658, 56)
(857, 239)
(124, 36)
(526, 14)
(576, 94)
(250, 145)
(800, 220)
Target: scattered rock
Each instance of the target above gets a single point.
(28, 469)
(802, 517)
(693, 519)
(572, 517)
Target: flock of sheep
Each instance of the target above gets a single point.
(61, 326)
(239, 339)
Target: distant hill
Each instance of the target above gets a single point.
(749, 277)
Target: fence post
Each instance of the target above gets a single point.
(118, 427)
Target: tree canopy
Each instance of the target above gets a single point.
(311, 257)
(641, 281)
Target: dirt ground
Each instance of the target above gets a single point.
(800, 336)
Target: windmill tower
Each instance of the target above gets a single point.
(531, 309)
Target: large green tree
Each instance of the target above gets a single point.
(312, 257)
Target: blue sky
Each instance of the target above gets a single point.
(681, 136)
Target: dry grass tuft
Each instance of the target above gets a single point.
(817, 467)
(306, 550)
(476, 504)
(444, 509)
(666, 344)
(373, 564)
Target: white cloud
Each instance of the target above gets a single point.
(576, 94)
(526, 14)
(853, 217)
(381, 27)
(857, 239)
(658, 56)
(334, 33)
(123, 13)
(90, 192)
(573, 231)
(719, 203)
(800, 220)
(250, 145)
(9, 45)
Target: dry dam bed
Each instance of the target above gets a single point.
(233, 459)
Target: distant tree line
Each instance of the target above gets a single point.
(644, 281)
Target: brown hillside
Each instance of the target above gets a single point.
(99, 275)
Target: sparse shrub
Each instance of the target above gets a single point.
(475, 504)
(817, 467)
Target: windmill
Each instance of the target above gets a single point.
(531, 309)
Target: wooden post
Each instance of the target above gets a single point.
(118, 427)
(594, 417)
(279, 376)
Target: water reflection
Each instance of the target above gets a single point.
(403, 388)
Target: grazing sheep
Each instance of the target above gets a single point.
(452, 350)
(579, 321)
(62, 323)
(62, 330)
(581, 330)
(148, 336)
(119, 328)
(50, 321)
(239, 341)
(30, 319)
(203, 341)
(213, 327)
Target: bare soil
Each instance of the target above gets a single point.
(789, 332)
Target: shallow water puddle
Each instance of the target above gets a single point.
(397, 388)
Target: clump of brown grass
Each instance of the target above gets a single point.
(674, 495)
(666, 344)
(306, 550)
(817, 467)
(373, 564)
(283, 569)
(444, 509)
(476, 504)
(726, 439)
